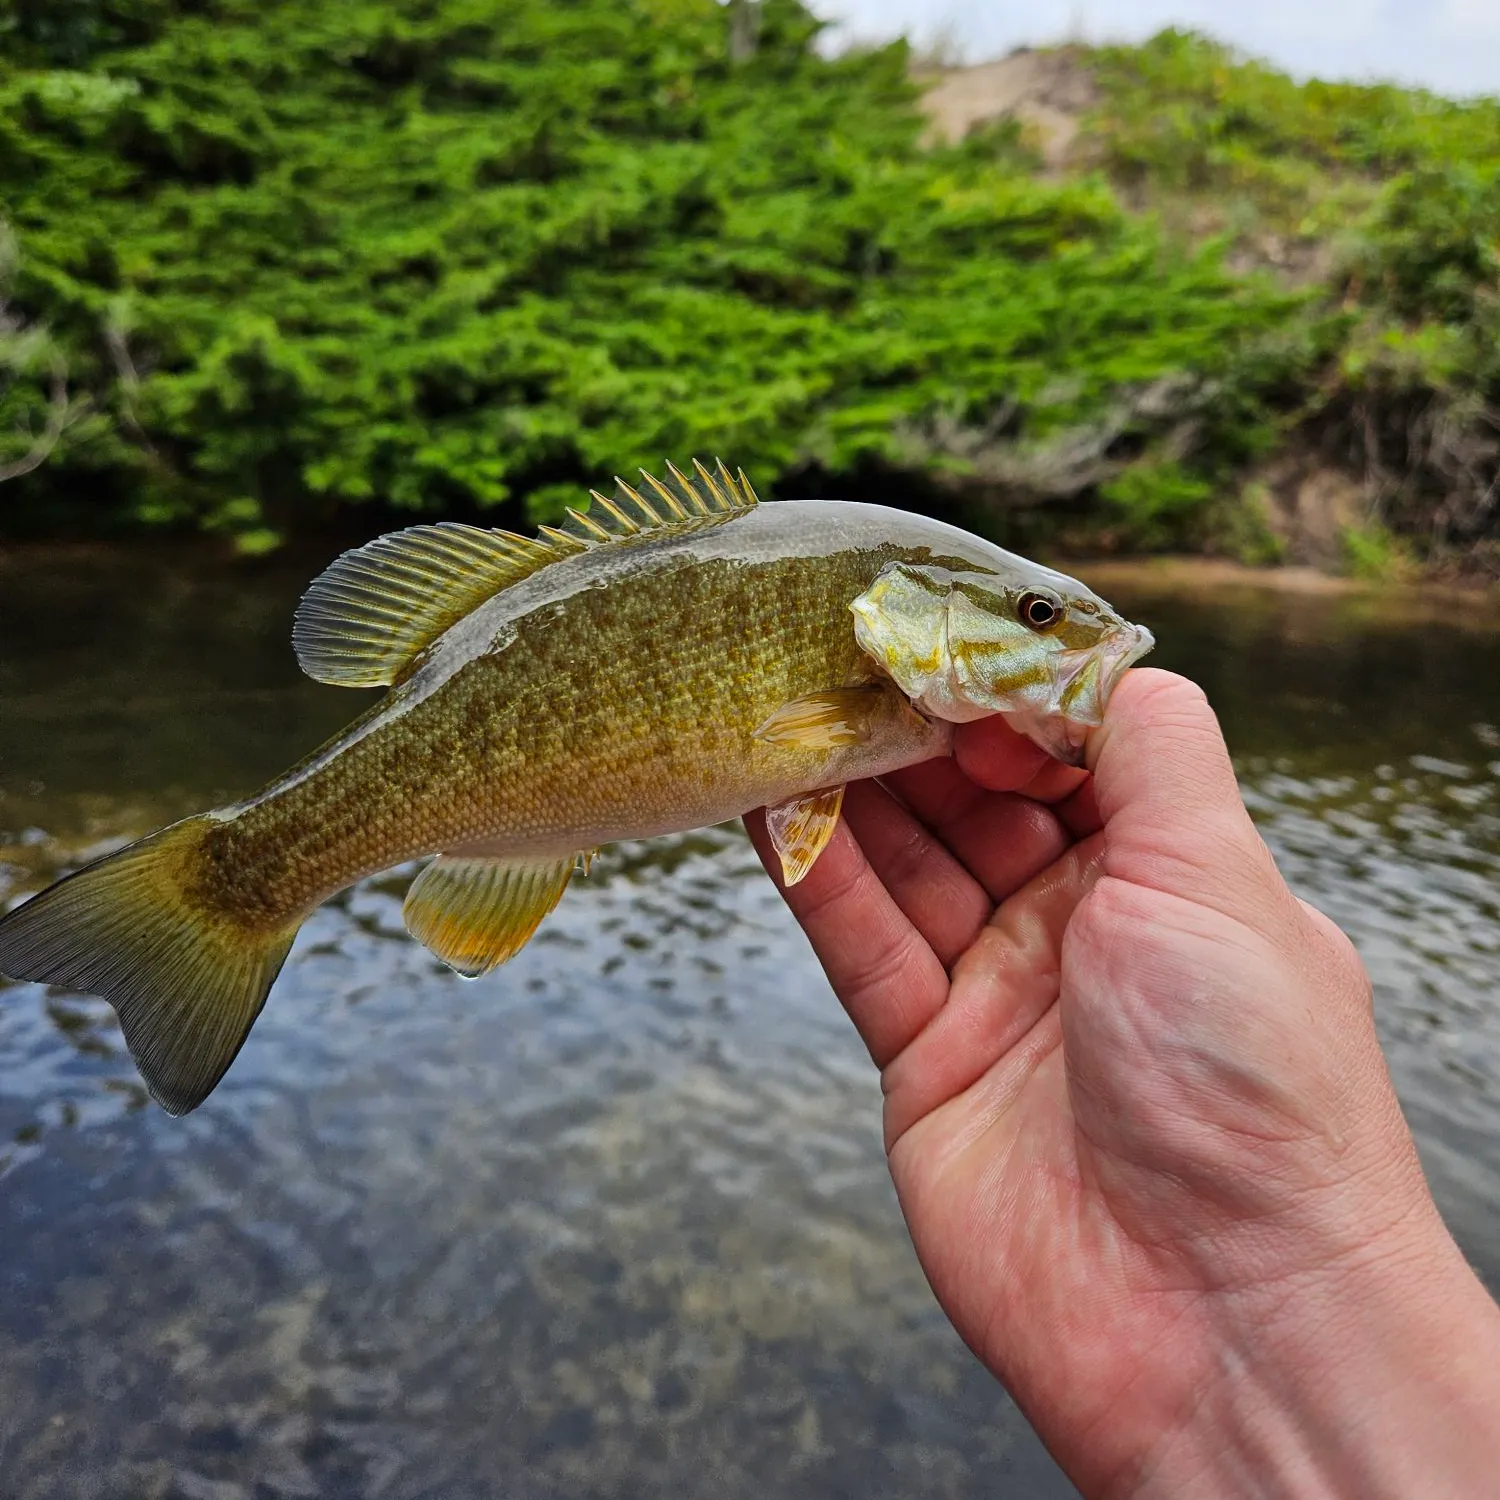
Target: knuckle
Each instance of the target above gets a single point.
(878, 971)
(1342, 968)
(908, 856)
(1110, 913)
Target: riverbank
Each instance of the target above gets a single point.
(1376, 208)
(90, 574)
(1454, 601)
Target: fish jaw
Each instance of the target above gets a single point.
(1083, 681)
(1080, 693)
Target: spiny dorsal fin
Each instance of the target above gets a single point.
(371, 613)
(703, 498)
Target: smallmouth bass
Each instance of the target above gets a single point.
(673, 657)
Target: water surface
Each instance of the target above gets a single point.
(614, 1221)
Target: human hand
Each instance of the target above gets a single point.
(1140, 1124)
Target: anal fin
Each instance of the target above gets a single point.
(475, 913)
(800, 829)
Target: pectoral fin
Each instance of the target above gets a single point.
(476, 913)
(800, 830)
(825, 721)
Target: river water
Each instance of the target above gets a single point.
(615, 1221)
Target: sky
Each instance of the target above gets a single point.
(1452, 46)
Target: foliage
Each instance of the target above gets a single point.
(1183, 113)
(1241, 525)
(1374, 552)
(1152, 496)
(308, 254)
(1385, 200)
(1417, 395)
(439, 256)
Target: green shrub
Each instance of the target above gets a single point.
(1154, 501)
(1385, 203)
(302, 256)
(443, 257)
(1374, 553)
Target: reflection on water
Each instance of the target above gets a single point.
(614, 1221)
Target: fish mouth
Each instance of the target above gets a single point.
(1083, 680)
(1082, 691)
(1121, 652)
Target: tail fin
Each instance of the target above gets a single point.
(187, 980)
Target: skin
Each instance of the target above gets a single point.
(1140, 1125)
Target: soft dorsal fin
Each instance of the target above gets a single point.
(370, 614)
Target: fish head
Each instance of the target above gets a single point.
(1031, 644)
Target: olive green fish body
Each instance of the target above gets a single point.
(672, 659)
(615, 698)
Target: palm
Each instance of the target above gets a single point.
(1086, 1153)
(1045, 1247)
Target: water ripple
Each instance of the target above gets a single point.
(614, 1221)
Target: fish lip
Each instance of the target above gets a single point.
(1120, 654)
(1110, 659)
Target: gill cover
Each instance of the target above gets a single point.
(958, 645)
(954, 657)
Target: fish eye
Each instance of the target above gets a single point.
(1039, 610)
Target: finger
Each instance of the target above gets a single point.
(888, 978)
(1166, 790)
(940, 898)
(995, 756)
(1055, 782)
(1000, 838)
(1079, 811)
(1001, 989)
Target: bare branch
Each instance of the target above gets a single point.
(22, 347)
(117, 343)
(981, 461)
(744, 29)
(61, 413)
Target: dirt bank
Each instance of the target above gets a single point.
(1048, 92)
(1473, 604)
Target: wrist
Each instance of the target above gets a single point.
(1379, 1376)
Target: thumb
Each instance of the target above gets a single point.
(1175, 820)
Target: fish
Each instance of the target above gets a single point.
(671, 657)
